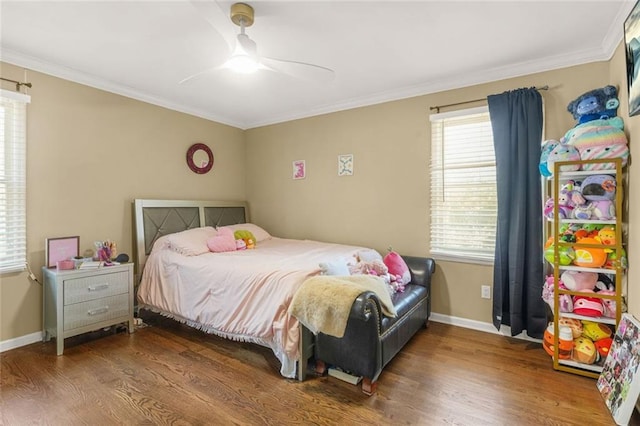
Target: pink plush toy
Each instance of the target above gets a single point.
(579, 281)
(397, 267)
(222, 241)
(566, 304)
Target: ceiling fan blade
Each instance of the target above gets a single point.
(302, 70)
(199, 74)
(212, 12)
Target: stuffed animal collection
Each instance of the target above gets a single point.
(590, 199)
(585, 283)
(590, 257)
(587, 342)
(598, 134)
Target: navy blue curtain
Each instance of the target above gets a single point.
(516, 120)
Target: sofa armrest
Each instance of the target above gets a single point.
(421, 269)
(361, 308)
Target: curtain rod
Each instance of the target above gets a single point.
(18, 84)
(437, 108)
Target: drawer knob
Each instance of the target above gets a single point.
(98, 311)
(98, 287)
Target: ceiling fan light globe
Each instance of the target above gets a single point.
(243, 64)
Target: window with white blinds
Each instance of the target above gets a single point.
(13, 211)
(463, 186)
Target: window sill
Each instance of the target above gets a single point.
(461, 259)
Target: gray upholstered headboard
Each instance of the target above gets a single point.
(155, 218)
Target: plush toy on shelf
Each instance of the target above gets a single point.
(563, 152)
(599, 139)
(589, 257)
(595, 104)
(566, 255)
(588, 306)
(607, 235)
(579, 281)
(599, 132)
(565, 341)
(600, 190)
(575, 325)
(568, 198)
(565, 302)
(584, 350)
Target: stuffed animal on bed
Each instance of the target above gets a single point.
(247, 238)
(595, 104)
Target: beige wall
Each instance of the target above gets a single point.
(385, 203)
(105, 150)
(90, 153)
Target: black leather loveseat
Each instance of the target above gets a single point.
(371, 339)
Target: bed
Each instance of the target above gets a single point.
(240, 295)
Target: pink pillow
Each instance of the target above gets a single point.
(397, 267)
(224, 241)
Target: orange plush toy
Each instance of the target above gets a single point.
(589, 257)
(565, 342)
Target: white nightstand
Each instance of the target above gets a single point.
(79, 301)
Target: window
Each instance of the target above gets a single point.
(463, 186)
(13, 214)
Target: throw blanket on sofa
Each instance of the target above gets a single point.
(323, 302)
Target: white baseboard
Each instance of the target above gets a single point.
(478, 325)
(28, 339)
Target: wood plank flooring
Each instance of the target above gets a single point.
(167, 373)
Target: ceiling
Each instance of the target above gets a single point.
(379, 50)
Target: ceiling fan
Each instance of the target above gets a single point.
(244, 57)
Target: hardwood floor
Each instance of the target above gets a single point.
(167, 373)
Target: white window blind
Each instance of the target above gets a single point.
(13, 212)
(463, 186)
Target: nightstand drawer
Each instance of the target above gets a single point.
(95, 311)
(94, 287)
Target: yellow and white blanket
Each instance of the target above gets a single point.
(323, 302)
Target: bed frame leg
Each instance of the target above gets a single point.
(369, 387)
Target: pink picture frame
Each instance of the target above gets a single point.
(299, 169)
(61, 248)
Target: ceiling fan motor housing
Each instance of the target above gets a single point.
(242, 14)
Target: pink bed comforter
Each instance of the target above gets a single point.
(242, 295)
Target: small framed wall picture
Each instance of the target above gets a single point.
(345, 165)
(299, 169)
(61, 248)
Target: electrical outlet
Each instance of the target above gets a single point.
(485, 292)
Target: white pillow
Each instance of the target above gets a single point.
(337, 267)
(192, 242)
(259, 233)
(369, 255)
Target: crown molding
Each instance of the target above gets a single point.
(603, 53)
(25, 61)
